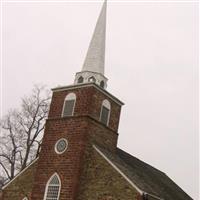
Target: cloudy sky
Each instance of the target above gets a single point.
(151, 63)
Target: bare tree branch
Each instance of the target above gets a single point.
(22, 131)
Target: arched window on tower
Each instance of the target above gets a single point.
(80, 79)
(92, 79)
(105, 112)
(53, 186)
(69, 104)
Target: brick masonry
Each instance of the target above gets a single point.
(82, 128)
(84, 174)
(88, 102)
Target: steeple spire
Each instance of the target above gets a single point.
(93, 67)
(96, 53)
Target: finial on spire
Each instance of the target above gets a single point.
(93, 67)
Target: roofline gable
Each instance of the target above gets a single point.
(7, 184)
(119, 171)
(141, 192)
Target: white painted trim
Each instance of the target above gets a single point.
(66, 99)
(25, 198)
(123, 175)
(107, 105)
(92, 79)
(55, 147)
(47, 184)
(118, 170)
(151, 195)
(70, 96)
(19, 173)
(82, 85)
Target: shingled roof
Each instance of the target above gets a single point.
(145, 177)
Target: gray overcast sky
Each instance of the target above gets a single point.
(151, 63)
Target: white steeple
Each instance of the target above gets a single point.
(93, 67)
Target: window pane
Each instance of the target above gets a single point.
(68, 109)
(104, 115)
(54, 181)
(80, 79)
(102, 84)
(53, 189)
(52, 192)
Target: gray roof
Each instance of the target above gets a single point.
(146, 177)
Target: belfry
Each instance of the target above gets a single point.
(79, 157)
(93, 67)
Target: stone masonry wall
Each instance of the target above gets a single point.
(100, 181)
(101, 135)
(21, 186)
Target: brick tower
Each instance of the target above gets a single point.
(79, 157)
(80, 116)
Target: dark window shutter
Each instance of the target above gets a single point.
(68, 109)
(104, 115)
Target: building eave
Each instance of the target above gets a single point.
(7, 184)
(141, 192)
(82, 85)
(118, 170)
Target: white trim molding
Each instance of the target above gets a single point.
(141, 192)
(119, 171)
(83, 85)
(70, 96)
(48, 183)
(107, 105)
(56, 146)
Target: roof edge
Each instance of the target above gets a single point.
(82, 85)
(119, 171)
(7, 184)
(141, 192)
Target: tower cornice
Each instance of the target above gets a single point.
(82, 85)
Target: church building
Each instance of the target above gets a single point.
(79, 157)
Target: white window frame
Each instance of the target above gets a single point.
(70, 96)
(47, 185)
(107, 105)
(93, 81)
(65, 148)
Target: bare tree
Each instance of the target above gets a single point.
(22, 131)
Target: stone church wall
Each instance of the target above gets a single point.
(21, 186)
(100, 181)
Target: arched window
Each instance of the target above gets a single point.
(92, 79)
(102, 84)
(53, 186)
(25, 198)
(69, 104)
(80, 79)
(105, 112)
